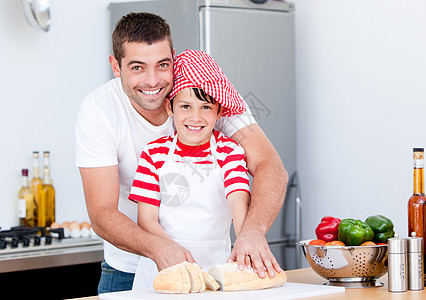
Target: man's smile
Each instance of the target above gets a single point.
(150, 92)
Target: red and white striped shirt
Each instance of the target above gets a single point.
(230, 158)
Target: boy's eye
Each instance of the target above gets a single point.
(164, 65)
(185, 106)
(206, 107)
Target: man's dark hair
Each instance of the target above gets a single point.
(139, 27)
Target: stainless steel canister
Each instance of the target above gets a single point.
(397, 260)
(415, 262)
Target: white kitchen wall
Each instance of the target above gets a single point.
(43, 80)
(361, 103)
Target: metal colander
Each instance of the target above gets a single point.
(350, 266)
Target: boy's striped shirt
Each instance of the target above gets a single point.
(229, 155)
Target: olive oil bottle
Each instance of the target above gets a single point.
(46, 196)
(36, 183)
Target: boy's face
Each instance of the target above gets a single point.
(146, 73)
(194, 119)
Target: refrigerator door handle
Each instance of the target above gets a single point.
(294, 183)
(298, 228)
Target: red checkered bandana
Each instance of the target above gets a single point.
(196, 69)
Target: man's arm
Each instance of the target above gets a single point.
(101, 190)
(267, 196)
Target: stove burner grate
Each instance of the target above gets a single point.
(22, 234)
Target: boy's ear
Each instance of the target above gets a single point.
(168, 106)
(219, 113)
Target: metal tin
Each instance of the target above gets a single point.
(415, 262)
(397, 260)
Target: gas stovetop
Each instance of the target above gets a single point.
(38, 247)
(25, 237)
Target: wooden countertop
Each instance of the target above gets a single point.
(309, 276)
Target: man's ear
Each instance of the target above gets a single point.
(168, 105)
(114, 65)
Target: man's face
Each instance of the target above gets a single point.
(146, 73)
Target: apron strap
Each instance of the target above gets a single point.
(213, 149)
(171, 150)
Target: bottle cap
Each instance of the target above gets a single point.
(397, 244)
(24, 172)
(415, 243)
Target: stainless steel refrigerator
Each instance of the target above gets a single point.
(253, 42)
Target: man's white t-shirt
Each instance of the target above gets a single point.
(109, 131)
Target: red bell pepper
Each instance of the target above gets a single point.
(327, 230)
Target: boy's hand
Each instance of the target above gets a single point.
(170, 253)
(252, 250)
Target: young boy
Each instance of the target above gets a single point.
(191, 184)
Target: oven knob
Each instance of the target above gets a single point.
(48, 239)
(3, 244)
(37, 240)
(26, 241)
(15, 241)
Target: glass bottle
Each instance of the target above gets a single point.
(25, 202)
(46, 160)
(46, 204)
(36, 183)
(416, 204)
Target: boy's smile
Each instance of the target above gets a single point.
(194, 118)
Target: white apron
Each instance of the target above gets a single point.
(193, 212)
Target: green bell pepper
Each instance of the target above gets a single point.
(382, 228)
(354, 232)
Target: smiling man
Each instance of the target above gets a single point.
(114, 124)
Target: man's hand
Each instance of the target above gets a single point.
(169, 253)
(252, 250)
(267, 196)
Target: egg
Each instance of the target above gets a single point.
(66, 224)
(84, 232)
(85, 225)
(74, 225)
(55, 225)
(75, 233)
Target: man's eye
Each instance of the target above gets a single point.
(136, 68)
(164, 65)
